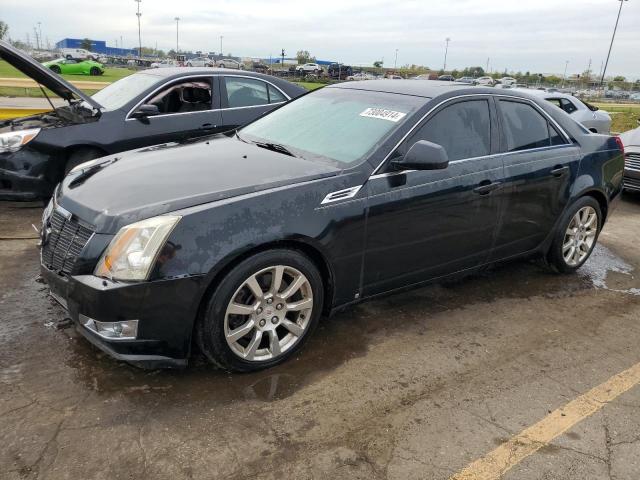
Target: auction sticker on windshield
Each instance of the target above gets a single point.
(383, 114)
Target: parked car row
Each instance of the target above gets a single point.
(239, 241)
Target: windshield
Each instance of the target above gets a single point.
(334, 124)
(119, 93)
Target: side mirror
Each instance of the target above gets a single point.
(423, 155)
(145, 110)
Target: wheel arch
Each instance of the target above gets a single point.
(303, 245)
(601, 198)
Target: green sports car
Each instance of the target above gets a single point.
(75, 67)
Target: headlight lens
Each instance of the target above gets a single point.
(14, 141)
(133, 251)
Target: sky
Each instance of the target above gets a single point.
(537, 36)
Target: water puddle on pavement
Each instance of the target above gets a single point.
(609, 272)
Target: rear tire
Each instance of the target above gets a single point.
(80, 156)
(55, 69)
(576, 235)
(271, 325)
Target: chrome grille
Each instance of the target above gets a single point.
(64, 241)
(632, 161)
(631, 183)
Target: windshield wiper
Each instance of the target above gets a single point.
(89, 172)
(275, 147)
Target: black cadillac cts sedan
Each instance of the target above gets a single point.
(242, 241)
(146, 108)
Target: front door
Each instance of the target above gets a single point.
(188, 108)
(425, 224)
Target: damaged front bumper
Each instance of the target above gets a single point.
(24, 175)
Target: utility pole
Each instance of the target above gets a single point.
(40, 34)
(395, 62)
(221, 54)
(564, 76)
(35, 31)
(487, 70)
(139, 34)
(611, 45)
(177, 19)
(446, 50)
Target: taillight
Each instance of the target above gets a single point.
(620, 144)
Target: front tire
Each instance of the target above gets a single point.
(95, 71)
(576, 235)
(262, 312)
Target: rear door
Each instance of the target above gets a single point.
(541, 163)
(246, 98)
(425, 224)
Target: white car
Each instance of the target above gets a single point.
(163, 64)
(76, 53)
(485, 81)
(229, 63)
(200, 62)
(592, 118)
(508, 81)
(309, 68)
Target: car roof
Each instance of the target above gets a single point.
(545, 94)
(418, 88)
(179, 71)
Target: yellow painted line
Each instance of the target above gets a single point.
(493, 465)
(7, 113)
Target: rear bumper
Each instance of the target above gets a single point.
(164, 309)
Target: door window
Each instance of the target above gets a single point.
(524, 127)
(463, 129)
(192, 95)
(246, 92)
(275, 95)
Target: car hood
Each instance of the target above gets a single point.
(139, 184)
(41, 74)
(631, 137)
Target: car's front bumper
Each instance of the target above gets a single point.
(165, 311)
(632, 169)
(23, 175)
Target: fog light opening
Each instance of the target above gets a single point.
(124, 330)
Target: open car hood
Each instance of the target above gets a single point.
(43, 75)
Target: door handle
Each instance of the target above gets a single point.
(207, 126)
(486, 187)
(559, 171)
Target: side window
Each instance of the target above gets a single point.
(568, 106)
(463, 129)
(556, 138)
(555, 101)
(182, 97)
(245, 92)
(275, 95)
(524, 127)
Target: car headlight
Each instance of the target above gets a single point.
(133, 251)
(14, 141)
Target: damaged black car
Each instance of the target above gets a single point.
(147, 108)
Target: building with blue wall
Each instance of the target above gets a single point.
(97, 46)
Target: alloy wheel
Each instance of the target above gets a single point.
(269, 313)
(580, 236)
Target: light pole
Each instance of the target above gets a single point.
(446, 50)
(395, 62)
(611, 45)
(564, 75)
(40, 33)
(138, 14)
(221, 54)
(177, 19)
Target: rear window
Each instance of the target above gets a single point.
(524, 127)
